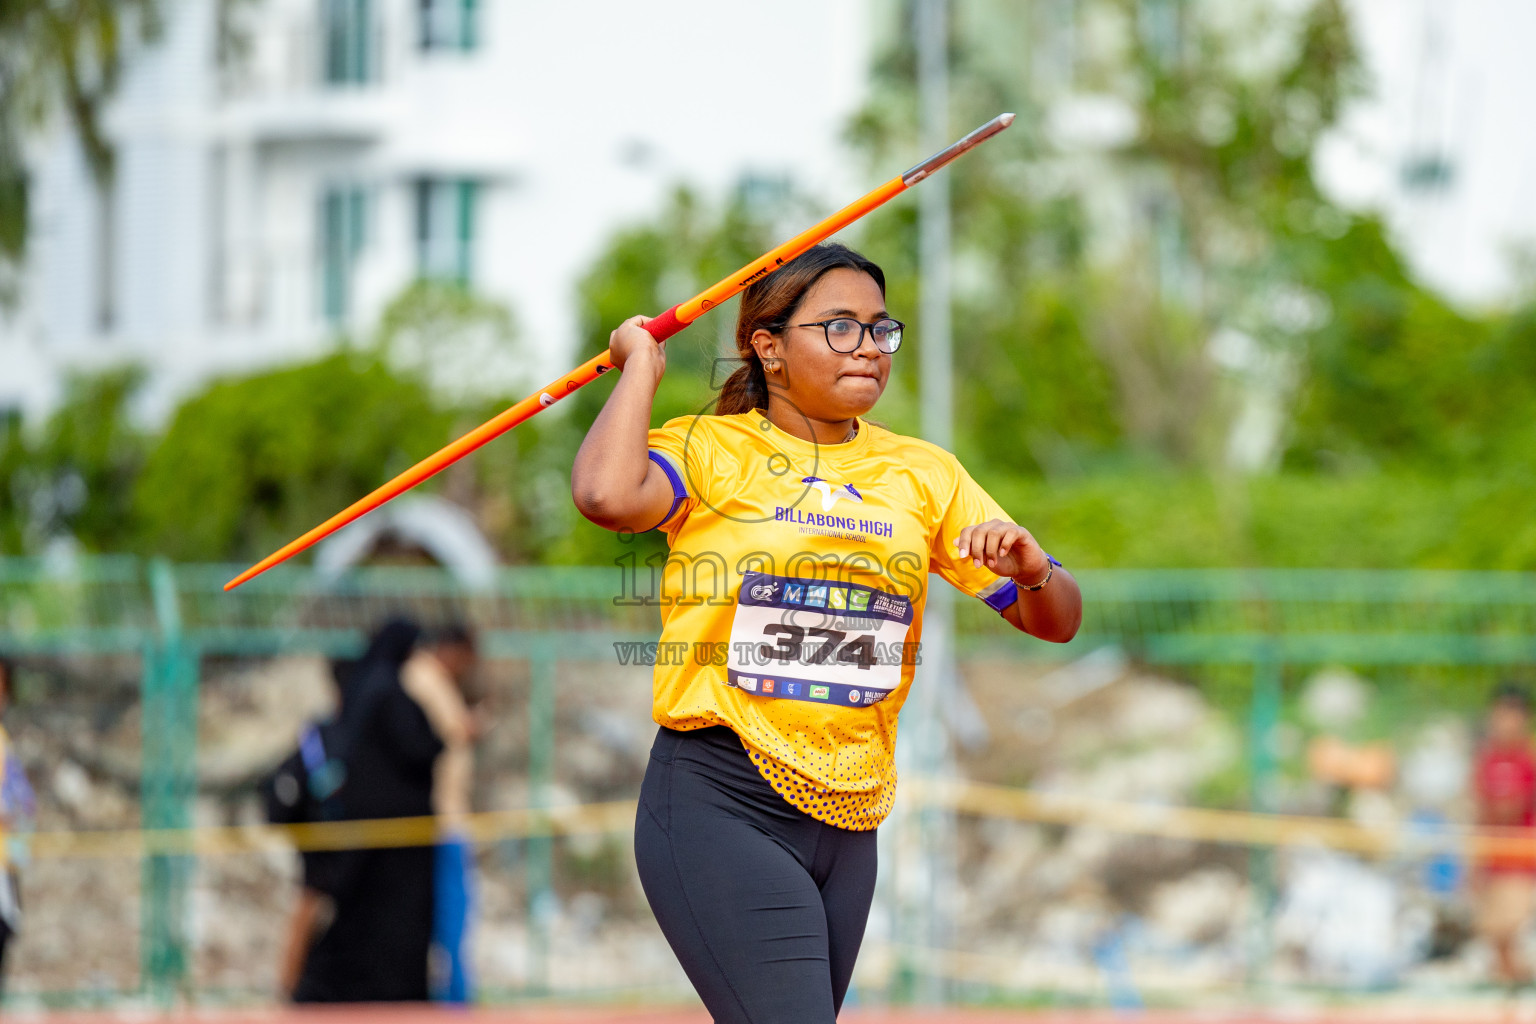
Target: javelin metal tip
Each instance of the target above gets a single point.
(944, 156)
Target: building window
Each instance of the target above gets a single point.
(445, 228)
(343, 229)
(1162, 29)
(449, 24)
(348, 36)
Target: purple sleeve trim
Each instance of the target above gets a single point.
(679, 492)
(1002, 597)
(1008, 593)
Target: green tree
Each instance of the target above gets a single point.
(58, 57)
(1398, 378)
(1092, 328)
(462, 344)
(647, 268)
(75, 477)
(13, 504)
(464, 347)
(248, 465)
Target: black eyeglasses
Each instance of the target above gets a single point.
(845, 334)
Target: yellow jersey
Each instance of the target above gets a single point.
(792, 596)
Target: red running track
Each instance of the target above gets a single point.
(647, 1015)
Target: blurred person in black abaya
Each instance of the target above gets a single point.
(364, 923)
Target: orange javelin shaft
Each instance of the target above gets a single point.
(661, 328)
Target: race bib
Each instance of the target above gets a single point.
(813, 640)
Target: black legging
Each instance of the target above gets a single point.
(764, 905)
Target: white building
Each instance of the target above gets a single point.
(1438, 149)
(265, 202)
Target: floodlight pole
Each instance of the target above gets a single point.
(931, 921)
(937, 395)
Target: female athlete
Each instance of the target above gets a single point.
(801, 542)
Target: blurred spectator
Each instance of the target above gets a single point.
(1505, 779)
(437, 678)
(398, 747)
(373, 907)
(305, 789)
(18, 807)
(1351, 766)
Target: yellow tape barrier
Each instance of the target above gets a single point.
(208, 841)
(1204, 825)
(965, 798)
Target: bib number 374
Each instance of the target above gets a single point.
(815, 646)
(818, 641)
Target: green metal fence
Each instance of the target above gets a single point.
(1235, 628)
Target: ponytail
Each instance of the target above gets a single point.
(745, 389)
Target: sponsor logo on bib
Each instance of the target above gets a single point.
(747, 683)
(765, 591)
(821, 692)
(853, 696)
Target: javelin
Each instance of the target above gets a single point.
(661, 328)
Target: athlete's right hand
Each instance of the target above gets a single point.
(631, 346)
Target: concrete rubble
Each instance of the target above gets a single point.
(1096, 914)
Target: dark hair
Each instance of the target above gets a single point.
(1510, 692)
(8, 677)
(767, 306)
(392, 641)
(450, 634)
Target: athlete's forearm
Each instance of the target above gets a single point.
(1054, 612)
(609, 475)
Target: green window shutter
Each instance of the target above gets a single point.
(333, 41)
(469, 24)
(347, 41)
(465, 229)
(357, 212)
(445, 228)
(362, 43)
(333, 292)
(343, 232)
(423, 225)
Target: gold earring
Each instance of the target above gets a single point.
(771, 364)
